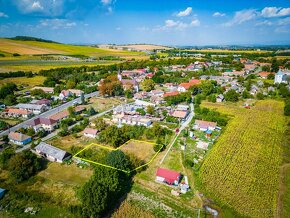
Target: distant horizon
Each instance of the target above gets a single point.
(174, 22)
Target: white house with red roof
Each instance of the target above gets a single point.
(168, 177)
(183, 87)
(91, 133)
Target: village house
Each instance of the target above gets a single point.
(65, 114)
(157, 93)
(48, 90)
(51, 153)
(76, 92)
(233, 73)
(128, 83)
(19, 138)
(264, 74)
(131, 120)
(282, 76)
(220, 98)
(64, 94)
(44, 101)
(167, 94)
(168, 177)
(36, 109)
(156, 100)
(182, 115)
(183, 87)
(204, 125)
(13, 112)
(43, 123)
(140, 95)
(91, 133)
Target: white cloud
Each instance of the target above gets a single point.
(106, 2)
(178, 25)
(243, 16)
(185, 13)
(218, 14)
(2, 14)
(275, 12)
(57, 23)
(195, 22)
(43, 7)
(118, 28)
(171, 23)
(36, 6)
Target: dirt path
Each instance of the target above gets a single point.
(282, 190)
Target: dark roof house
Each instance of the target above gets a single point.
(51, 153)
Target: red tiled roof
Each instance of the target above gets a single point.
(180, 114)
(205, 123)
(169, 175)
(264, 74)
(170, 94)
(18, 136)
(18, 111)
(90, 131)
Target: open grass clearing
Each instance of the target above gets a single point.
(27, 82)
(142, 150)
(66, 174)
(103, 104)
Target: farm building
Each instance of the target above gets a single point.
(204, 125)
(169, 177)
(51, 153)
(91, 133)
(19, 138)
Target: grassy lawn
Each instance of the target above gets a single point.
(66, 174)
(28, 82)
(103, 104)
(142, 150)
(11, 122)
(242, 169)
(67, 142)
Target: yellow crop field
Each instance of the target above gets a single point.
(30, 82)
(242, 169)
(36, 48)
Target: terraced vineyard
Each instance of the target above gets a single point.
(242, 169)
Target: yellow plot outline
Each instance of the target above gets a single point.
(115, 149)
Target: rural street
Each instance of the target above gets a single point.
(47, 113)
(54, 134)
(182, 127)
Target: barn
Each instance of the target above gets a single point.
(169, 177)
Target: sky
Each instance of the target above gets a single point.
(163, 22)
